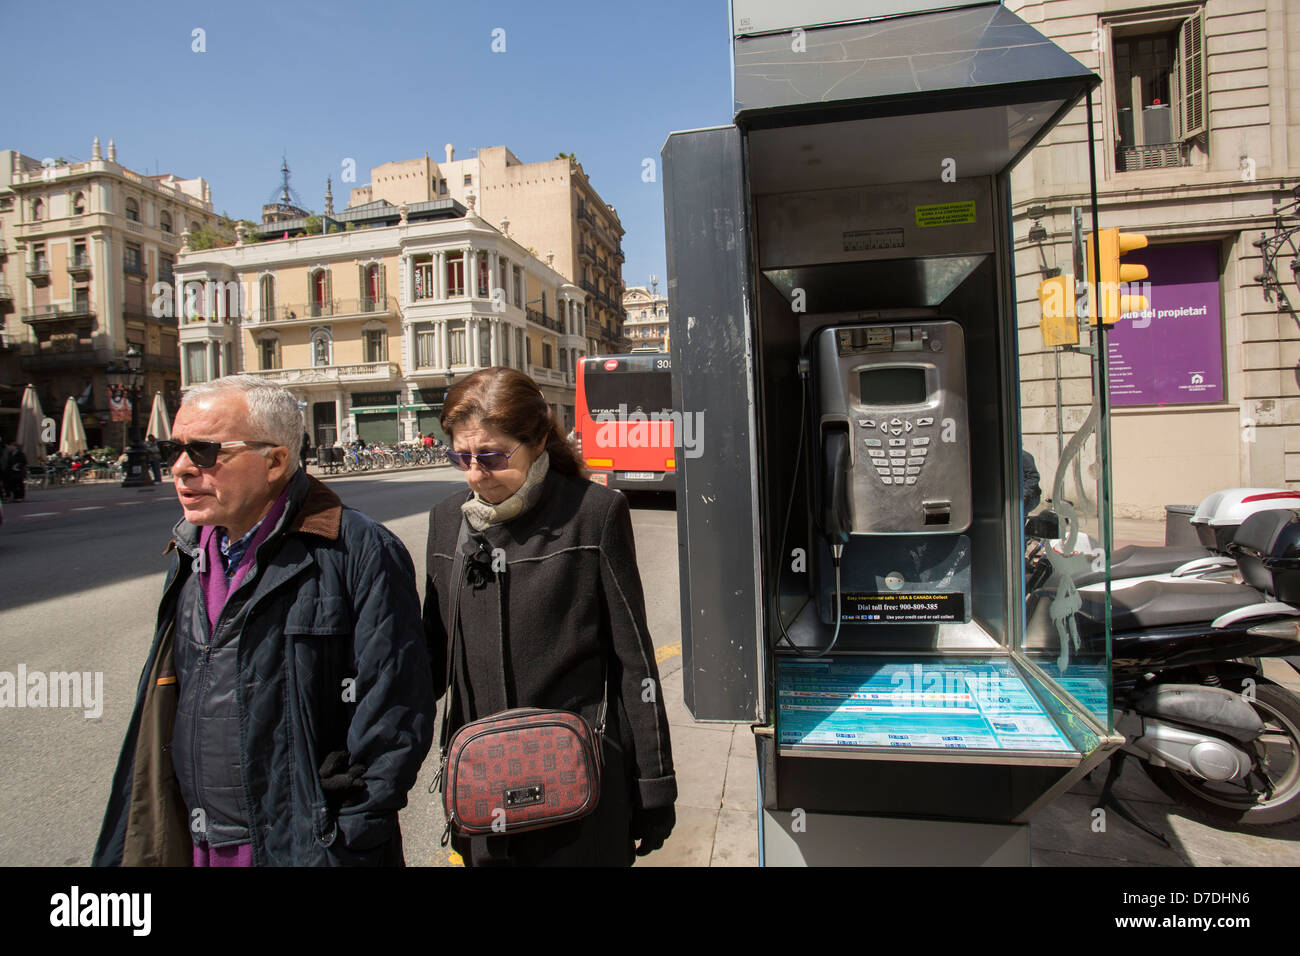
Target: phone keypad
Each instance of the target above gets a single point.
(902, 462)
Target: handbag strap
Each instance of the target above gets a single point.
(457, 578)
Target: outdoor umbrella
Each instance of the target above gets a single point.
(72, 436)
(29, 427)
(159, 427)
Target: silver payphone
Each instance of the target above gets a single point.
(898, 391)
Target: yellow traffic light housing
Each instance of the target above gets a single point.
(1059, 324)
(1104, 292)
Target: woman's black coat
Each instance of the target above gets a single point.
(542, 620)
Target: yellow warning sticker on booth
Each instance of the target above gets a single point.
(946, 214)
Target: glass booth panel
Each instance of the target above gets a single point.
(1065, 471)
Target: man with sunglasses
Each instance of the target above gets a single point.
(286, 706)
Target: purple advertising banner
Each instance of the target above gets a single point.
(1172, 353)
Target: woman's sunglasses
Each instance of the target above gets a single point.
(487, 460)
(202, 453)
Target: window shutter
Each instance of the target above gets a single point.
(329, 293)
(364, 293)
(383, 289)
(1191, 76)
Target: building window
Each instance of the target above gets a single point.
(38, 210)
(528, 350)
(501, 275)
(519, 349)
(370, 289)
(166, 268)
(376, 345)
(131, 259)
(79, 204)
(1159, 87)
(266, 297)
(426, 345)
(322, 347)
(196, 363)
(546, 355)
(442, 187)
(483, 274)
(469, 180)
(484, 343)
(132, 210)
(319, 285)
(519, 286)
(423, 277)
(268, 353)
(456, 343)
(455, 274)
(505, 346)
(165, 221)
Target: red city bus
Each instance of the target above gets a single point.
(625, 421)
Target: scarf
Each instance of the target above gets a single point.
(482, 514)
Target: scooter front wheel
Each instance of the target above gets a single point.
(1277, 758)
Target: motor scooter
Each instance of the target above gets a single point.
(1189, 694)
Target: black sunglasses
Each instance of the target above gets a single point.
(203, 454)
(487, 460)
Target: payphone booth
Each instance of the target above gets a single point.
(851, 533)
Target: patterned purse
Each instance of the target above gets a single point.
(518, 770)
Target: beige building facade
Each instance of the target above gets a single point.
(549, 206)
(84, 243)
(646, 322)
(1197, 129)
(371, 326)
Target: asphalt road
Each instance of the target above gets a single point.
(81, 571)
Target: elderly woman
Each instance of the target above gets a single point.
(549, 618)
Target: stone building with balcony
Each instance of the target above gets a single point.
(549, 206)
(1197, 126)
(84, 243)
(372, 321)
(646, 325)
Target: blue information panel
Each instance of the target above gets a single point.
(954, 704)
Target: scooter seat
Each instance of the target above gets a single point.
(1161, 604)
(1136, 561)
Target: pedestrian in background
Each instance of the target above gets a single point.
(554, 620)
(155, 460)
(286, 705)
(15, 473)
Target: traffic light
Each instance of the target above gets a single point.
(1059, 325)
(1105, 294)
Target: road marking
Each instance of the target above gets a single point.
(89, 508)
(446, 857)
(40, 514)
(668, 650)
(125, 504)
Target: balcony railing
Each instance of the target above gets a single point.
(361, 372)
(38, 268)
(134, 268)
(545, 321)
(38, 359)
(6, 293)
(331, 308)
(33, 314)
(79, 263)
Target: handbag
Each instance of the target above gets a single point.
(519, 770)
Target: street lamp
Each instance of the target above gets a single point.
(125, 374)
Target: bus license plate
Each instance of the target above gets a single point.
(638, 476)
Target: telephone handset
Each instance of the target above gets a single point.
(892, 422)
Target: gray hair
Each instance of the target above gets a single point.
(272, 410)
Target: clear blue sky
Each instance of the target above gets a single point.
(372, 81)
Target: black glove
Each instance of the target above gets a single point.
(652, 827)
(343, 784)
